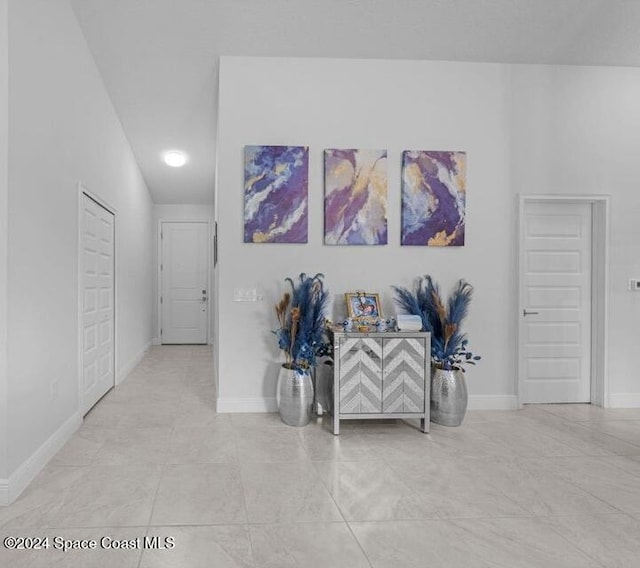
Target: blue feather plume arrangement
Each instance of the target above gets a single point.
(442, 319)
(301, 315)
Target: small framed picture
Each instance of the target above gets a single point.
(363, 306)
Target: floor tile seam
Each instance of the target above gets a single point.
(165, 524)
(337, 460)
(409, 488)
(65, 465)
(555, 415)
(558, 437)
(529, 515)
(597, 425)
(245, 507)
(251, 543)
(51, 528)
(622, 468)
(572, 545)
(565, 476)
(155, 495)
(32, 553)
(285, 523)
(305, 449)
(245, 523)
(599, 420)
(575, 545)
(596, 497)
(430, 520)
(195, 525)
(320, 481)
(138, 565)
(600, 453)
(617, 513)
(439, 516)
(633, 450)
(238, 431)
(200, 462)
(555, 458)
(620, 439)
(493, 485)
(614, 419)
(273, 431)
(249, 461)
(360, 545)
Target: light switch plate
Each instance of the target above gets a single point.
(245, 295)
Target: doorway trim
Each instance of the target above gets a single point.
(600, 205)
(159, 276)
(83, 190)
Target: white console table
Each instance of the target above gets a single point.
(381, 375)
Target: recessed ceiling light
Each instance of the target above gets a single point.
(175, 158)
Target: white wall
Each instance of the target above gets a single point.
(397, 105)
(63, 130)
(576, 130)
(526, 129)
(4, 191)
(177, 213)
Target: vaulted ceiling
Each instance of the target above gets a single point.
(159, 58)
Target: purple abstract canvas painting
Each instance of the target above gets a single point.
(355, 202)
(276, 180)
(433, 198)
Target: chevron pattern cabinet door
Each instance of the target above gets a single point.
(360, 375)
(403, 386)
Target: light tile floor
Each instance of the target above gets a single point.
(544, 487)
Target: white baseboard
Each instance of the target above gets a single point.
(11, 488)
(131, 365)
(476, 402)
(624, 400)
(228, 405)
(155, 341)
(493, 402)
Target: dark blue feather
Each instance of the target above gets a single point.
(424, 302)
(310, 297)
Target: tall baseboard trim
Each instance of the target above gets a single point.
(493, 402)
(228, 405)
(476, 402)
(155, 341)
(11, 488)
(131, 365)
(624, 400)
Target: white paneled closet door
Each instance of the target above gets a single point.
(97, 269)
(556, 303)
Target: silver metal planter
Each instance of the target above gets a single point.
(295, 396)
(448, 397)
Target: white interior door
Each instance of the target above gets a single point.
(555, 309)
(184, 275)
(97, 268)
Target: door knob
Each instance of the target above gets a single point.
(526, 312)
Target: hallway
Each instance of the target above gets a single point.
(555, 486)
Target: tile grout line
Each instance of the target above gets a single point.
(162, 468)
(366, 556)
(246, 524)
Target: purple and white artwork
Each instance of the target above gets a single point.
(355, 200)
(276, 180)
(433, 198)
